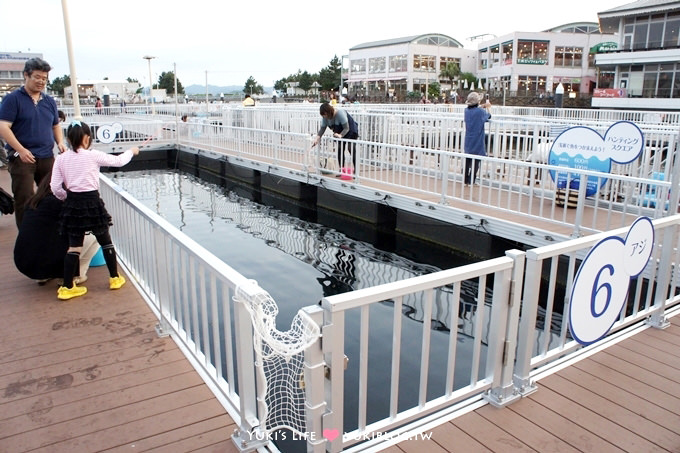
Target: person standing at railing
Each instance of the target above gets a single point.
(248, 101)
(476, 116)
(343, 126)
(75, 179)
(29, 124)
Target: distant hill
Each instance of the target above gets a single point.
(216, 90)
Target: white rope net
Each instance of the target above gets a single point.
(279, 360)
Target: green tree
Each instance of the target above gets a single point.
(450, 72)
(167, 80)
(469, 77)
(57, 85)
(252, 87)
(329, 77)
(434, 90)
(131, 80)
(305, 81)
(280, 85)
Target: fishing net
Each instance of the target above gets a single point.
(279, 360)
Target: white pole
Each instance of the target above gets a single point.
(153, 107)
(71, 63)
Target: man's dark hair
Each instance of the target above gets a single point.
(326, 109)
(36, 64)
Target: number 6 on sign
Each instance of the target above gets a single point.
(601, 284)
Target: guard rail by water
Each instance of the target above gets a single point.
(191, 292)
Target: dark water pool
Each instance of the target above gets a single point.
(299, 261)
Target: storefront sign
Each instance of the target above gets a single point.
(609, 93)
(604, 47)
(532, 61)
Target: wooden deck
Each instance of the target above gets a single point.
(625, 398)
(91, 374)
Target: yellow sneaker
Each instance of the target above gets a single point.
(65, 293)
(116, 282)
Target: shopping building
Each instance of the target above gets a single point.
(388, 70)
(535, 63)
(643, 71)
(12, 70)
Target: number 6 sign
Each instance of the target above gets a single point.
(601, 284)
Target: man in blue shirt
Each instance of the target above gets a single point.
(29, 124)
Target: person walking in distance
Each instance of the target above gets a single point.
(475, 117)
(75, 179)
(29, 125)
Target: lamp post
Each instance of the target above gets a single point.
(559, 94)
(71, 62)
(153, 108)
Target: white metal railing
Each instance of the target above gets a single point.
(510, 180)
(540, 342)
(190, 290)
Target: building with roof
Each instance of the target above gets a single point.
(535, 63)
(388, 70)
(89, 90)
(12, 69)
(643, 71)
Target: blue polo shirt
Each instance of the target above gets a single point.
(31, 124)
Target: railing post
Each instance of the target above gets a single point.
(249, 435)
(663, 277)
(527, 325)
(315, 403)
(445, 165)
(580, 206)
(163, 328)
(504, 392)
(334, 355)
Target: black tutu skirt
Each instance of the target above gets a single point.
(84, 212)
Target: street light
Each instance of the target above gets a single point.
(153, 108)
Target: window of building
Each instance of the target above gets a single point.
(494, 56)
(443, 61)
(506, 50)
(651, 32)
(438, 40)
(358, 66)
(532, 52)
(606, 77)
(376, 64)
(424, 63)
(483, 58)
(671, 33)
(569, 57)
(399, 63)
(531, 85)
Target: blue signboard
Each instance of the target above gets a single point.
(584, 148)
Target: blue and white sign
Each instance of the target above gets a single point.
(601, 285)
(584, 148)
(106, 133)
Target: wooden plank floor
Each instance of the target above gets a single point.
(91, 374)
(625, 398)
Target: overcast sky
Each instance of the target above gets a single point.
(234, 39)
